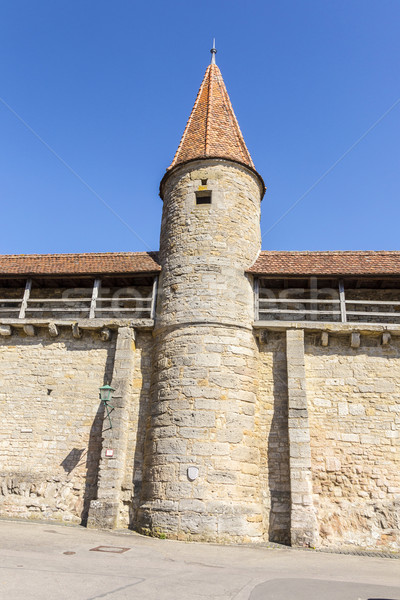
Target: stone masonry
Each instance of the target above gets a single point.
(354, 407)
(205, 380)
(303, 522)
(222, 427)
(51, 448)
(50, 427)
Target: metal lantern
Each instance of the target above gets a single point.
(106, 392)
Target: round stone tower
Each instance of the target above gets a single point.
(201, 457)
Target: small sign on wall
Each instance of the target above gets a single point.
(109, 453)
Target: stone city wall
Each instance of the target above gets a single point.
(351, 399)
(354, 411)
(51, 448)
(272, 417)
(51, 421)
(138, 419)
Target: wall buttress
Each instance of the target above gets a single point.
(303, 528)
(104, 511)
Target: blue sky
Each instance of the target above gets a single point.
(109, 87)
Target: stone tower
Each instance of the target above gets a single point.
(201, 457)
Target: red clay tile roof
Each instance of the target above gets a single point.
(212, 130)
(276, 263)
(79, 264)
(327, 263)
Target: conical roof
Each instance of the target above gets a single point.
(212, 130)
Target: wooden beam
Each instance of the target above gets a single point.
(24, 303)
(154, 298)
(256, 299)
(95, 294)
(342, 297)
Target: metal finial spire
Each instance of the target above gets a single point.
(213, 53)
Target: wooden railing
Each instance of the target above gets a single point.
(91, 305)
(269, 306)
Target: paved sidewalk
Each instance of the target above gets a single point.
(47, 561)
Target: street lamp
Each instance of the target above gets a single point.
(106, 392)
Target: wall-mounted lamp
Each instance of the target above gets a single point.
(106, 392)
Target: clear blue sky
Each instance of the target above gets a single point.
(109, 87)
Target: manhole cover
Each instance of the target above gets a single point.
(115, 549)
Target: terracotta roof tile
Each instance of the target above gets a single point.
(212, 130)
(79, 264)
(274, 263)
(327, 263)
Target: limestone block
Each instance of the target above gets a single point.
(103, 514)
(105, 334)
(324, 338)
(355, 340)
(29, 330)
(332, 463)
(53, 330)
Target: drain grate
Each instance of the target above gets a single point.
(114, 549)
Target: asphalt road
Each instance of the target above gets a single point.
(47, 561)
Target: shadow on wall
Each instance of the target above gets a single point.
(92, 454)
(73, 459)
(93, 451)
(95, 440)
(138, 460)
(92, 462)
(278, 455)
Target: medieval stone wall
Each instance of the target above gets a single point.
(51, 432)
(354, 410)
(272, 416)
(138, 423)
(50, 426)
(52, 420)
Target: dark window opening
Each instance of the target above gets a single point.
(204, 182)
(203, 198)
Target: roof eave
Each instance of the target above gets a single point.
(176, 167)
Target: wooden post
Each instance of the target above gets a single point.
(154, 298)
(342, 297)
(95, 295)
(25, 299)
(256, 299)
